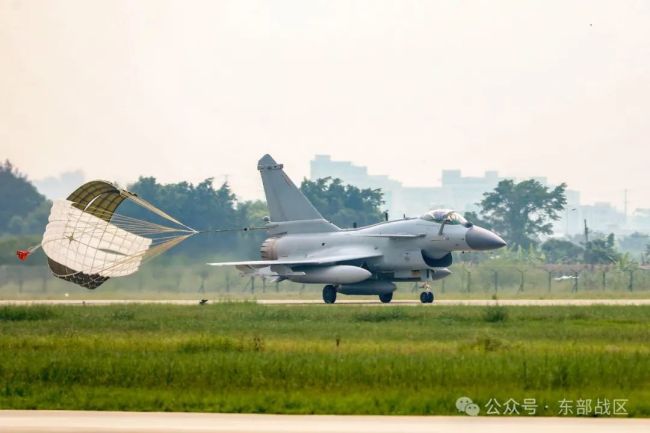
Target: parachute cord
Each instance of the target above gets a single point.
(241, 229)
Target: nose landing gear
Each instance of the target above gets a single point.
(426, 297)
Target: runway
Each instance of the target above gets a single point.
(351, 301)
(21, 421)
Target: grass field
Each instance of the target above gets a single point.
(353, 359)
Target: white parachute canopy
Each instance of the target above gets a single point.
(81, 241)
(86, 242)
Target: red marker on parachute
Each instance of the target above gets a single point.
(23, 254)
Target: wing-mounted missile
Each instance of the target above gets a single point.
(337, 274)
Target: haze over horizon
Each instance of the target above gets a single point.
(55, 184)
(186, 91)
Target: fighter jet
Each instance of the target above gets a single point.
(305, 248)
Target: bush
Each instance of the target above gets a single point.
(495, 314)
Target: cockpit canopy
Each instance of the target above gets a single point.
(447, 216)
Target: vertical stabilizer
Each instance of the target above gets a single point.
(283, 198)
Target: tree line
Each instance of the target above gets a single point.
(521, 212)
(203, 206)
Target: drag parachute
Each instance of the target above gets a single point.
(87, 241)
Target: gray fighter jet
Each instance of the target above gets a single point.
(305, 248)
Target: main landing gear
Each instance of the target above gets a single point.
(386, 297)
(426, 297)
(329, 294)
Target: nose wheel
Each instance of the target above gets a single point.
(329, 294)
(426, 297)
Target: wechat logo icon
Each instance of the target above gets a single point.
(465, 404)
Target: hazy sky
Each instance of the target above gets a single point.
(188, 90)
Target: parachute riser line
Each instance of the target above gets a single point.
(240, 229)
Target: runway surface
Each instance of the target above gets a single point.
(475, 302)
(152, 422)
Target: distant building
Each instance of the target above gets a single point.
(463, 193)
(641, 220)
(570, 222)
(456, 192)
(603, 217)
(323, 166)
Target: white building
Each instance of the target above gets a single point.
(456, 192)
(462, 193)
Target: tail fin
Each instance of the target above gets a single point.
(284, 199)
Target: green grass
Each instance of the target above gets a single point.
(495, 313)
(352, 359)
(17, 313)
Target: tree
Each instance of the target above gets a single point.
(561, 251)
(474, 218)
(523, 211)
(634, 243)
(601, 251)
(344, 205)
(33, 223)
(199, 206)
(19, 199)
(252, 214)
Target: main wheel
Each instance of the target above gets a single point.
(386, 297)
(329, 294)
(430, 298)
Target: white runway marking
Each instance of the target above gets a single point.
(19, 421)
(471, 302)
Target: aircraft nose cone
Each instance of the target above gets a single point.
(479, 239)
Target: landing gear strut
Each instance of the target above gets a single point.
(426, 297)
(386, 297)
(329, 294)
